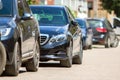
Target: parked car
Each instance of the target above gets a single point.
(103, 32)
(87, 33)
(61, 38)
(19, 38)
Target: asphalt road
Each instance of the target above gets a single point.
(98, 64)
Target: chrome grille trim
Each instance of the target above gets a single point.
(43, 38)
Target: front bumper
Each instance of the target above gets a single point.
(56, 51)
(9, 48)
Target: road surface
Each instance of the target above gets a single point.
(98, 64)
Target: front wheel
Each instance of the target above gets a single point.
(33, 64)
(78, 58)
(13, 69)
(68, 61)
(116, 42)
(108, 42)
(2, 58)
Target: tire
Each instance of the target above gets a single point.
(116, 42)
(13, 69)
(108, 43)
(33, 64)
(78, 58)
(2, 58)
(68, 61)
(90, 47)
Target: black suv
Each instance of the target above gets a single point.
(61, 37)
(19, 37)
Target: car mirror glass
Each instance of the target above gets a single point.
(74, 23)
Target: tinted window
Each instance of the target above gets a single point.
(81, 23)
(95, 23)
(20, 8)
(108, 24)
(50, 16)
(6, 8)
(26, 7)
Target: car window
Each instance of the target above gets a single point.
(95, 23)
(20, 8)
(49, 16)
(81, 23)
(6, 7)
(108, 25)
(26, 7)
(70, 15)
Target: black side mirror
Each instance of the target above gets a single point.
(27, 16)
(74, 23)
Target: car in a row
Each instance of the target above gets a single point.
(97, 31)
(61, 37)
(87, 33)
(51, 34)
(19, 37)
(103, 32)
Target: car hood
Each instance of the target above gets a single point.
(53, 30)
(5, 20)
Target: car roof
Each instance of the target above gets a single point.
(54, 6)
(102, 19)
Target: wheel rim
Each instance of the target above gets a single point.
(36, 56)
(116, 42)
(70, 53)
(81, 50)
(18, 60)
(108, 42)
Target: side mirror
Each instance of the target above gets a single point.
(74, 23)
(27, 16)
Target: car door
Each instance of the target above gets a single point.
(75, 30)
(111, 32)
(31, 26)
(25, 28)
(22, 26)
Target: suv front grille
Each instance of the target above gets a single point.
(44, 38)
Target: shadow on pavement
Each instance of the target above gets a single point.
(5, 75)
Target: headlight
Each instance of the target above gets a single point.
(58, 38)
(5, 31)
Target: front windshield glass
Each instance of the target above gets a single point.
(49, 16)
(5, 7)
(81, 23)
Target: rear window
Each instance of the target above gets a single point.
(49, 16)
(95, 23)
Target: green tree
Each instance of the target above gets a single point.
(110, 5)
(29, 2)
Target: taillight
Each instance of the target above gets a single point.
(101, 29)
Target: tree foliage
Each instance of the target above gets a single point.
(29, 2)
(110, 5)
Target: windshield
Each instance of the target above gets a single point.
(5, 7)
(95, 23)
(49, 16)
(81, 23)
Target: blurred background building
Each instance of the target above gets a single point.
(81, 8)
